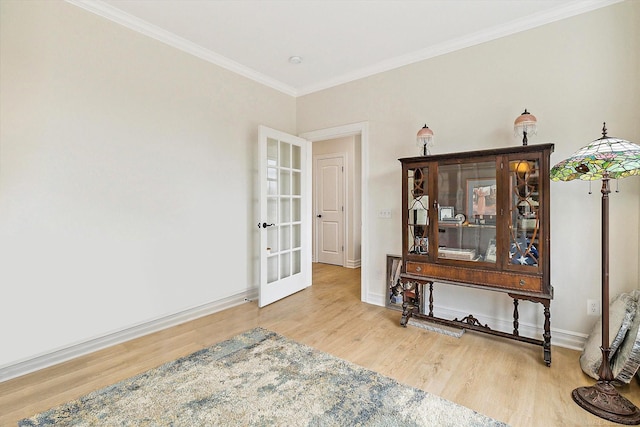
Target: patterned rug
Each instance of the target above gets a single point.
(259, 378)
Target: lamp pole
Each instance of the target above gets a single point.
(603, 159)
(605, 372)
(602, 398)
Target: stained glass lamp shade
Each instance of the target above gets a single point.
(613, 157)
(605, 158)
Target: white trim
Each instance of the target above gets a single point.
(362, 129)
(353, 263)
(499, 31)
(64, 354)
(136, 24)
(561, 12)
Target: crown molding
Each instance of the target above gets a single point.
(561, 12)
(136, 24)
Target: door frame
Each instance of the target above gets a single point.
(362, 129)
(345, 212)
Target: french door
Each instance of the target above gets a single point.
(285, 214)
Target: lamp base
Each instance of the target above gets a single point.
(603, 400)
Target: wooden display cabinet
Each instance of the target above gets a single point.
(478, 219)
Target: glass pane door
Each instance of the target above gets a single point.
(418, 221)
(284, 209)
(467, 212)
(285, 214)
(524, 218)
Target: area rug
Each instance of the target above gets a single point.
(259, 378)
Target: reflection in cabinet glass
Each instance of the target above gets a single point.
(478, 219)
(418, 206)
(524, 216)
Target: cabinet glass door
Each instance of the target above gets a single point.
(418, 211)
(467, 211)
(524, 218)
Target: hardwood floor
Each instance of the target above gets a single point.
(500, 378)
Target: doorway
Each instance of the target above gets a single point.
(360, 134)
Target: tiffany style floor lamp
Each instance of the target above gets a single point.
(604, 159)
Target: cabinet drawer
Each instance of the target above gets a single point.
(498, 279)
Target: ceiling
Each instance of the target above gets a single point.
(338, 40)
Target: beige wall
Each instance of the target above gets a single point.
(573, 75)
(128, 168)
(350, 147)
(127, 177)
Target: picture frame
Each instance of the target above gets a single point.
(394, 298)
(481, 200)
(446, 213)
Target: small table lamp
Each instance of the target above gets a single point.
(424, 139)
(525, 124)
(604, 159)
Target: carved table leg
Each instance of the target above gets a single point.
(406, 313)
(515, 317)
(547, 333)
(546, 303)
(431, 299)
(410, 300)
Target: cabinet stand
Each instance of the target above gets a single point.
(412, 303)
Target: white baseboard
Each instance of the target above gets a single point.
(559, 337)
(351, 263)
(64, 354)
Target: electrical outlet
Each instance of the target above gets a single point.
(593, 307)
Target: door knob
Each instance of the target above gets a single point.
(319, 216)
(265, 225)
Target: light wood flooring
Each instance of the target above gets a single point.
(504, 379)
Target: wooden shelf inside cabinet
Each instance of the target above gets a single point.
(478, 219)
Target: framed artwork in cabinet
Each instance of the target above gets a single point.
(481, 199)
(446, 213)
(394, 286)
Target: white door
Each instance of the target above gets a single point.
(330, 210)
(285, 215)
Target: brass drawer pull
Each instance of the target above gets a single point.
(522, 282)
(418, 269)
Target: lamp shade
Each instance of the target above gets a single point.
(525, 122)
(520, 166)
(605, 157)
(424, 139)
